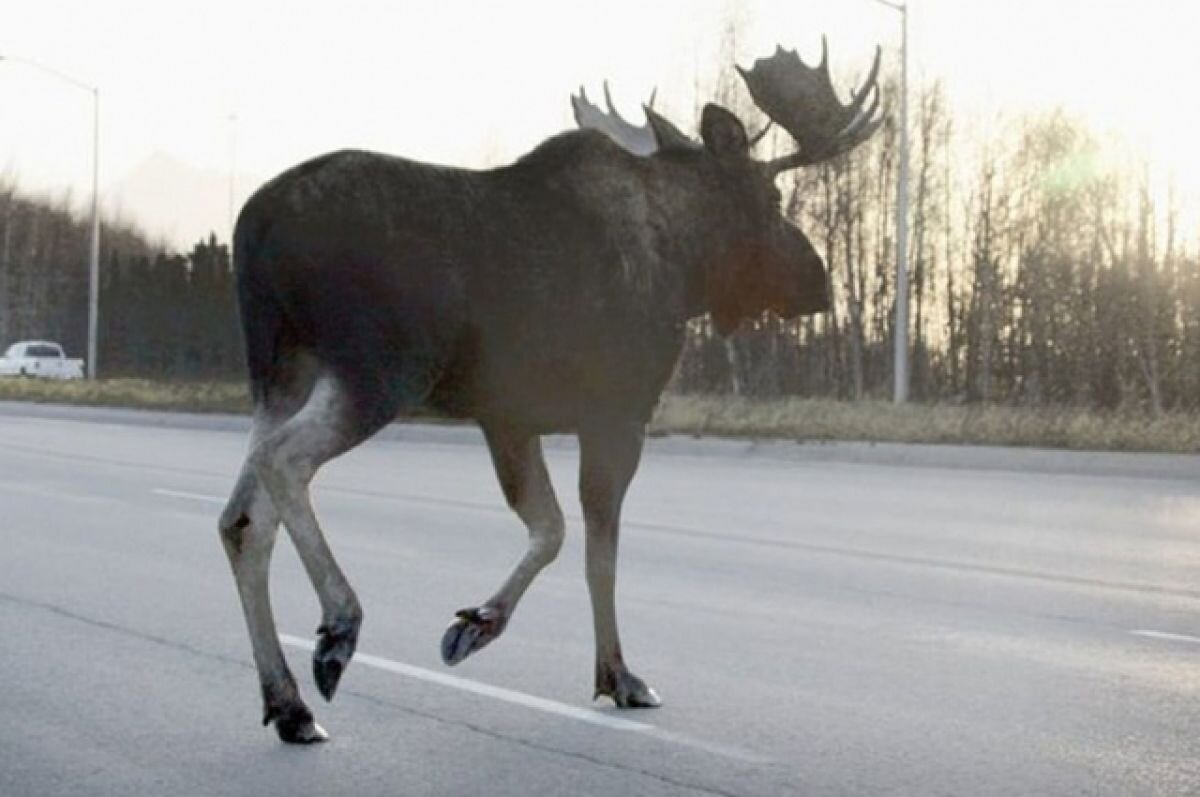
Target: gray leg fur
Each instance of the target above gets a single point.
(248, 527)
(285, 461)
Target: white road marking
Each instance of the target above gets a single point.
(209, 499)
(485, 690)
(1166, 635)
(542, 704)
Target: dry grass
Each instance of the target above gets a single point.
(140, 393)
(875, 421)
(792, 419)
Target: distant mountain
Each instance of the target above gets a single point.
(175, 202)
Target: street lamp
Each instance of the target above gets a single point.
(900, 355)
(232, 174)
(94, 252)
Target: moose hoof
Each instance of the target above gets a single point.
(626, 690)
(305, 733)
(295, 725)
(471, 630)
(335, 647)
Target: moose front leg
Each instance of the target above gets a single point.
(609, 455)
(521, 469)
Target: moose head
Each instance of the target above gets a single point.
(764, 261)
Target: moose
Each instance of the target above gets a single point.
(547, 296)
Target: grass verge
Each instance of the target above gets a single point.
(883, 422)
(788, 419)
(144, 394)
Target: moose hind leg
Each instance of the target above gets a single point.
(609, 455)
(521, 469)
(248, 528)
(331, 422)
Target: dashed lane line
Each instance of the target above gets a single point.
(1166, 636)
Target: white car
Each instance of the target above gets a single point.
(39, 358)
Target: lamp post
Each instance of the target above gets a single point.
(232, 119)
(900, 354)
(94, 248)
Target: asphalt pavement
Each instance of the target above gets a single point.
(853, 621)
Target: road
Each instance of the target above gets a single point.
(815, 627)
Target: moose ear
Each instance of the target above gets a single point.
(723, 133)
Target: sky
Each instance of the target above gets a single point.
(192, 92)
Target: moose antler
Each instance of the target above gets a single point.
(640, 140)
(801, 99)
(637, 139)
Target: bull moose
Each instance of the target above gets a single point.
(547, 296)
